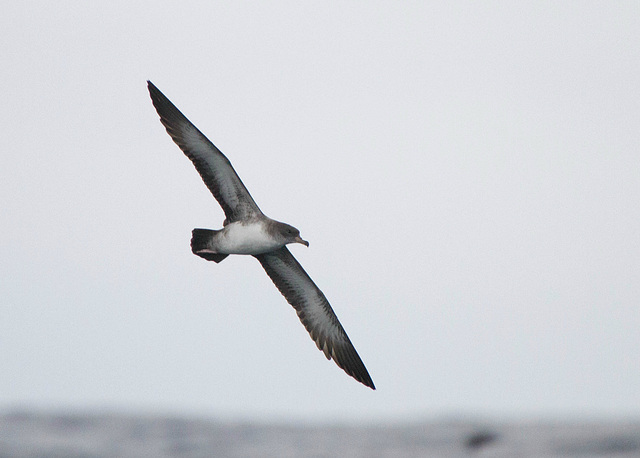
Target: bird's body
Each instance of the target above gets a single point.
(246, 237)
(247, 231)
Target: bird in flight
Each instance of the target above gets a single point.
(246, 230)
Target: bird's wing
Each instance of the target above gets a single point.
(314, 311)
(213, 166)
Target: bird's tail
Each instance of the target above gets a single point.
(201, 245)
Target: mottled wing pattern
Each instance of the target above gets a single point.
(314, 311)
(213, 166)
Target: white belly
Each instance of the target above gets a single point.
(239, 238)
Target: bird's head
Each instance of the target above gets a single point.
(291, 235)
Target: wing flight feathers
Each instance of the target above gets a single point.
(213, 166)
(314, 312)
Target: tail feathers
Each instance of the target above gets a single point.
(201, 245)
(216, 257)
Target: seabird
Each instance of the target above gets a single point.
(246, 230)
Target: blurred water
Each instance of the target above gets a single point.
(37, 434)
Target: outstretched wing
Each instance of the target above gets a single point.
(213, 166)
(314, 311)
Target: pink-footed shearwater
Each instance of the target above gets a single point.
(246, 230)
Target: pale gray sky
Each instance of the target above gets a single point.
(468, 175)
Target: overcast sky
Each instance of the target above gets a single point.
(468, 176)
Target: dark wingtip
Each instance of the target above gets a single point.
(347, 358)
(155, 93)
(365, 379)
